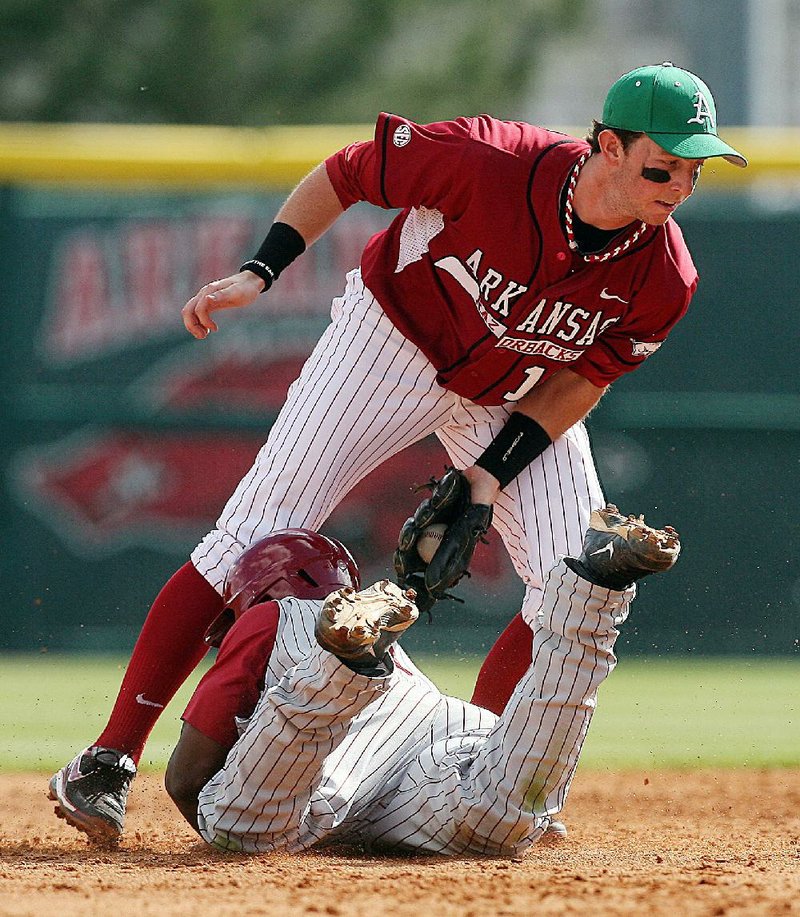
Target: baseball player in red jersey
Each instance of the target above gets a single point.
(348, 739)
(526, 271)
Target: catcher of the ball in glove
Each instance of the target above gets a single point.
(467, 522)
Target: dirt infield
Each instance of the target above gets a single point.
(709, 843)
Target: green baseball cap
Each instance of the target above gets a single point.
(673, 107)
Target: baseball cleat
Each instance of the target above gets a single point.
(362, 625)
(555, 833)
(91, 792)
(618, 550)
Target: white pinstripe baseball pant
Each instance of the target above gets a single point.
(366, 393)
(329, 753)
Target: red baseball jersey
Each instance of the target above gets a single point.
(476, 269)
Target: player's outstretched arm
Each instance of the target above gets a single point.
(193, 763)
(309, 210)
(540, 417)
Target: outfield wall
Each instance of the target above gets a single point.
(121, 436)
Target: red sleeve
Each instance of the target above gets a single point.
(405, 165)
(625, 347)
(344, 168)
(669, 285)
(232, 686)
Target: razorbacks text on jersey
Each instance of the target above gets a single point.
(476, 269)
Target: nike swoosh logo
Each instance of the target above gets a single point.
(141, 699)
(604, 294)
(609, 547)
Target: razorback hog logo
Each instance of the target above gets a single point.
(643, 348)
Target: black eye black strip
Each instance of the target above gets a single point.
(659, 176)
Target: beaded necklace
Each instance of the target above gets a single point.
(568, 218)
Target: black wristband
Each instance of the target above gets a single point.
(282, 245)
(519, 442)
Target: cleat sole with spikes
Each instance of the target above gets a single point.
(358, 625)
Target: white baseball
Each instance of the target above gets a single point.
(429, 541)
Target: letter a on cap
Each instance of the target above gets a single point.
(702, 111)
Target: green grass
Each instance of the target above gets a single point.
(651, 713)
(681, 714)
(699, 713)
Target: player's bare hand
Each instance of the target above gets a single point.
(233, 292)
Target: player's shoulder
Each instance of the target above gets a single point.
(487, 135)
(523, 139)
(664, 279)
(401, 130)
(677, 257)
(292, 603)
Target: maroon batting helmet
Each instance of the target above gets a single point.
(290, 562)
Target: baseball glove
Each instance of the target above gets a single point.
(467, 522)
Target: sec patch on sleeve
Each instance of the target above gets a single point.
(402, 135)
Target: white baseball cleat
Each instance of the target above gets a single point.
(363, 625)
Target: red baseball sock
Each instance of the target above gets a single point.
(167, 651)
(508, 660)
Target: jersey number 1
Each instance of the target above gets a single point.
(532, 375)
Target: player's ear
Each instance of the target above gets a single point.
(611, 148)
